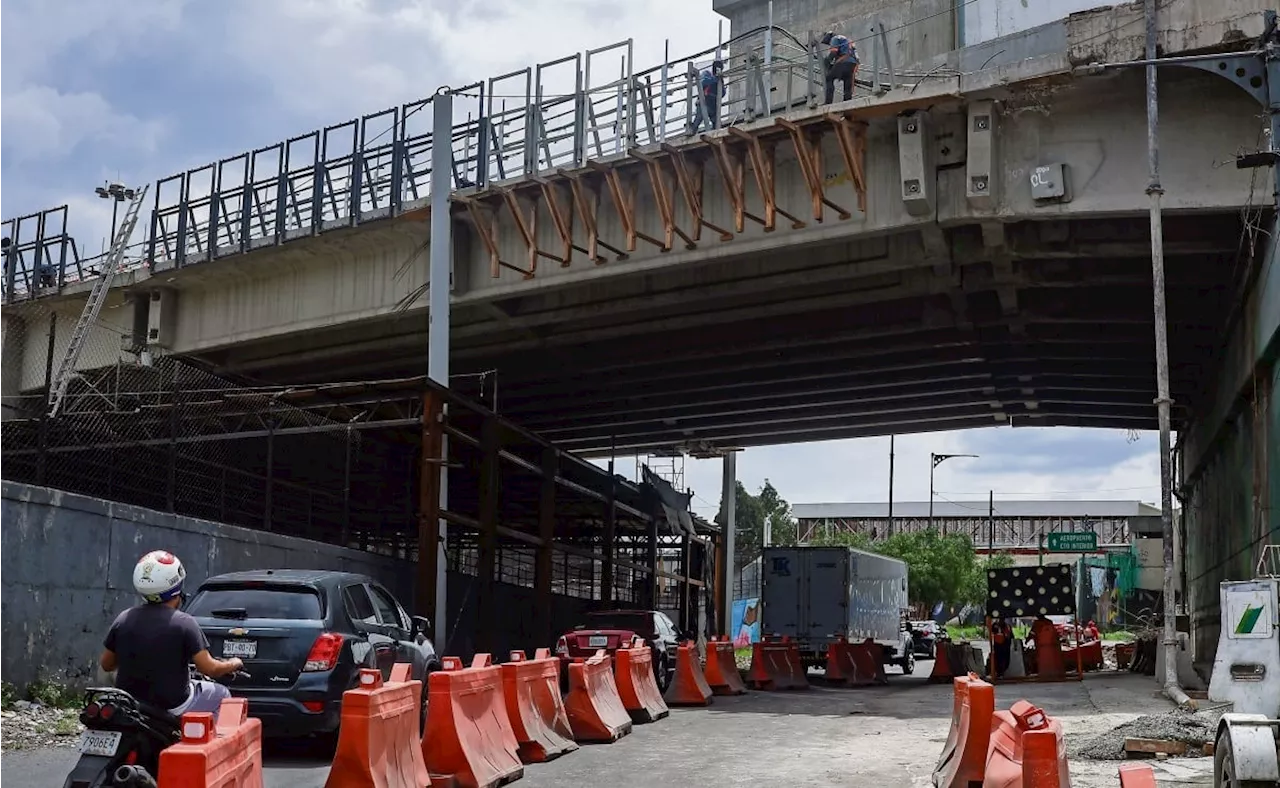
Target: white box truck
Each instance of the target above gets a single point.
(822, 595)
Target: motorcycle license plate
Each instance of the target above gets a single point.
(104, 743)
(240, 648)
(598, 641)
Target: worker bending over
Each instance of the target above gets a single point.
(841, 64)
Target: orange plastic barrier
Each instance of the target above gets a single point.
(378, 743)
(1090, 656)
(722, 668)
(1137, 775)
(964, 757)
(226, 756)
(868, 659)
(689, 685)
(1027, 750)
(775, 665)
(531, 690)
(637, 687)
(469, 736)
(596, 713)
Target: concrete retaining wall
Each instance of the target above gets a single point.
(66, 570)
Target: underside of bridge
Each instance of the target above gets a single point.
(1041, 323)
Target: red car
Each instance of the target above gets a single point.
(610, 629)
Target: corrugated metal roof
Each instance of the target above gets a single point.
(1004, 508)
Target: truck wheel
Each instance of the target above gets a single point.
(909, 664)
(1224, 765)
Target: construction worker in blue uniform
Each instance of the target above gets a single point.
(841, 64)
(711, 89)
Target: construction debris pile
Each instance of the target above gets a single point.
(1195, 730)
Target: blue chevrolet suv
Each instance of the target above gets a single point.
(303, 636)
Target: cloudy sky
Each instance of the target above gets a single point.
(136, 90)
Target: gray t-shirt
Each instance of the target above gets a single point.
(153, 646)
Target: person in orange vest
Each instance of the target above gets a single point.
(1091, 631)
(1002, 642)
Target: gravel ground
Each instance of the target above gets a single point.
(1194, 728)
(30, 725)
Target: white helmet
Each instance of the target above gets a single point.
(158, 576)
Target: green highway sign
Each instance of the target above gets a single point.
(1073, 542)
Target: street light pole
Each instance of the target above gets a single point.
(934, 461)
(117, 193)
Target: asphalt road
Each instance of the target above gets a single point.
(885, 736)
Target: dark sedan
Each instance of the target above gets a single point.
(610, 630)
(303, 636)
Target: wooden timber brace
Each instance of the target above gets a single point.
(587, 198)
(624, 199)
(689, 179)
(528, 227)
(485, 220)
(562, 217)
(762, 164)
(731, 169)
(662, 196)
(853, 147)
(808, 145)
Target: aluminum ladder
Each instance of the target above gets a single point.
(93, 307)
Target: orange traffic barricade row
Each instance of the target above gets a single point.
(842, 667)
(531, 690)
(689, 685)
(1137, 775)
(775, 665)
(964, 757)
(1027, 750)
(378, 743)
(225, 755)
(596, 713)
(469, 737)
(722, 668)
(637, 687)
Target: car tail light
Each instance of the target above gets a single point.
(324, 652)
(313, 706)
(108, 711)
(562, 647)
(90, 713)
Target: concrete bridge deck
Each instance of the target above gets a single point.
(874, 266)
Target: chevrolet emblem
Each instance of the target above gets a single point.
(237, 631)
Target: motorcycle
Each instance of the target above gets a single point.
(123, 739)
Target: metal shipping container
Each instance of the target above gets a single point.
(818, 595)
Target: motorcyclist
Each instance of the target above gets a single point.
(151, 645)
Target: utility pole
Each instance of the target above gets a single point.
(991, 524)
(1163, 402)
(891, 437)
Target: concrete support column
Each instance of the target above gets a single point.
(13, 333)
(441, 264)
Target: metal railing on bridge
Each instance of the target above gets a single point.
(562, 114)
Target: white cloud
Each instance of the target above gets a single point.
(44, 124)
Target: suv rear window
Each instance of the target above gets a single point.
(233, 603)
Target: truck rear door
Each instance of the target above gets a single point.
(782, 593)
(827, 577)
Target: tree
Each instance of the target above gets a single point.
(751, 512)
(977, 593)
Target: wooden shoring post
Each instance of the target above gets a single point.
(763, 165)
(528, 227)
(853, 147)
(689, 179)
(429, 501)
(663, 198)
(562, 218)
(587, 198)
(486, 223)
(808, 147)
(542, 570)
(731, 170)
